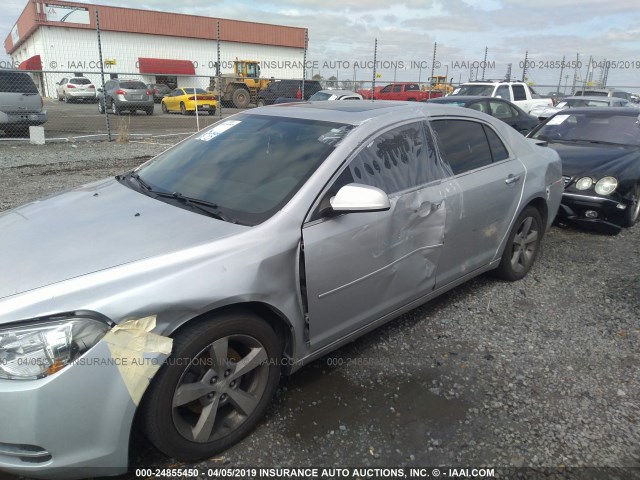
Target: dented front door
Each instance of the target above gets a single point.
(361, 266)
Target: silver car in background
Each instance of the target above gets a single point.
(121, 95)
(21, 105)
(543, 112)
(180, 291)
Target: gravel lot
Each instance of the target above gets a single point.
(541, 373)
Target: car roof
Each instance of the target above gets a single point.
(357, 112)
(595, 97)
(337, 91)
(602, 111)
(464, 98)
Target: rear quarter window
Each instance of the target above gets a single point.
(15, 82)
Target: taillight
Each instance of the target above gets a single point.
(155, 90)
(91, 86)
(120, 92)
(70, 85)
(148, 92)
(299, 94)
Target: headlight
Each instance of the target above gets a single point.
(36, 350)
(606, 185)
(584, 183)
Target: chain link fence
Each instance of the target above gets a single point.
(141, 97)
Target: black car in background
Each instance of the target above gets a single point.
(159, 90)
(496, 107)
(600, 152)
(287, 89)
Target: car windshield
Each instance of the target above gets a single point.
(191, 91)
(592, 127)
(80, 81)
(482, 90)
(133, 85)
(248, 166)
(320, 96)
(16, 83)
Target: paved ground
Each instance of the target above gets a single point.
(83, 119)
(543, 373)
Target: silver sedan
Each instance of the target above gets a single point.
(181, 291)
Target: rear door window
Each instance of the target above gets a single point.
(463, 144)
(519, 92)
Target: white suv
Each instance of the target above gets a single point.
(20, 103)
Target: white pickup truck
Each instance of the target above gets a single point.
(519, 93)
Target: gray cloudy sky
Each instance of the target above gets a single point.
(344, 30)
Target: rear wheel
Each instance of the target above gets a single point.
(224, 373)
(100, 106)
(241, 98)
(522, 246)
(633, 210)
(261, 102)
(183, 109)
(149, 111)
(66, 99)
(212, 111)
(114, 108)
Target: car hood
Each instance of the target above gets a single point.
(580, 158)
(92, 228)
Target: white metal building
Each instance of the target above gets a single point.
(56, 39)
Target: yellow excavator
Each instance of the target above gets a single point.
(241, 87)
(439, 83)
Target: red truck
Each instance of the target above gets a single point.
(400, 91)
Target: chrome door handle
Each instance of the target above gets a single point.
(512, 179)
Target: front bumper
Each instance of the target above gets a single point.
(73, 424)
(578, 208)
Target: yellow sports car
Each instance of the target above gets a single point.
(184, 100)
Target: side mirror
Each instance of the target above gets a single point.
(356, 197)
(100, 89)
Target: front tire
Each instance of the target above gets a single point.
(241, 98)
(522, 246)
(183, 109)
(633, 210)
(215, 388)
(164, 108)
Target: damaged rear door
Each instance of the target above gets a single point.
(363, 265)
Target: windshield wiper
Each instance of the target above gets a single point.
(209, 208)
(133, 175)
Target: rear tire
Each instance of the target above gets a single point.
(183, 109)
(522, 246)
(149, 111)
(224, 373)
(101, 106)
(261, 102)
(212, 111)
(633, 210)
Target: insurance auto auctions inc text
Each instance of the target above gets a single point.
(351, 473)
